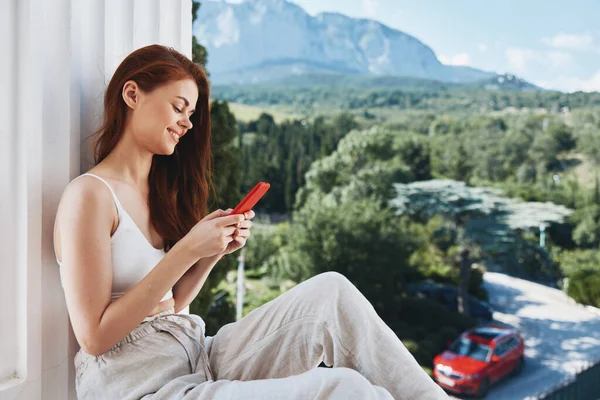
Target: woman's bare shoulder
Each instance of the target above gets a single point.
(85, 192)
(86, 200)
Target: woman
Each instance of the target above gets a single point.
(135, 248)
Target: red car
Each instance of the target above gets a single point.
(478, 358)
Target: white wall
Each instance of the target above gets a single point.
(57, 57)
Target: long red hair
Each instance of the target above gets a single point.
(179, 183)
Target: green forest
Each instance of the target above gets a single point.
(399, 181)
(339, 182)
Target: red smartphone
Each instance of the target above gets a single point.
(251, 198)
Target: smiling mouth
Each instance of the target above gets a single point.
(174, 135)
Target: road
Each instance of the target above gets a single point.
(561, 336)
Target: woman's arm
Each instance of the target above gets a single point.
(188, 286)
(84, 222)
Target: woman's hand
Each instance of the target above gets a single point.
(212, 235)
(241, 234)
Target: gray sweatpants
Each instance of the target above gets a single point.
(271, 353)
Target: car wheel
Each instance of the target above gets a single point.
(483, 389)
(519, 367)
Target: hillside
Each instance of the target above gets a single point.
(263, 40)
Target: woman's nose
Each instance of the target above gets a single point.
(187, 124)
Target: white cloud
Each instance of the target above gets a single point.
(559, 59)
(229, 29)
(482, 47)
(571, 41)
(459, 59)
(592, 84)
(573, 83)
(521, 59)
(370, 6)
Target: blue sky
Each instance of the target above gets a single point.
(551, 43)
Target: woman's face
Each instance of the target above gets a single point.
(160, 118)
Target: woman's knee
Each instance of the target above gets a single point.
(332, 280)
(331, 291)
(332, 288)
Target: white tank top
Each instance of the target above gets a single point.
(133, 256)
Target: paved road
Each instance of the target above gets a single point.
(560, 335)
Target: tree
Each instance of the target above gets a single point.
(199, 53)
(563, 136)
(543, 152)
(226, 177)
(596, 194)
(342, 223)
(584, 287)
(227, 163)
(356, 237)
(450, 159)
(572, 261)
(588, 141)
(282, 154)
(464, 264)
(587, 232)
(365, 164)
(489, 221)
(416, 154)
(526, 173)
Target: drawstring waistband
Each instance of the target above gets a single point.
(190, 337)
(196, 334)
(160, 314)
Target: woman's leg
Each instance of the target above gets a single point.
(317, 384)
(327, 319)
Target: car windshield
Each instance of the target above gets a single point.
(469, 348)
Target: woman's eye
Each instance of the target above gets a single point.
(177, 109)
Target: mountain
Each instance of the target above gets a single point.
(263, 40)
(363, 82)
(506, 82)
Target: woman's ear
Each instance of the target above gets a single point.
(130, 94)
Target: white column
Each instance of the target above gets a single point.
(9, 349)
(58, 57)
